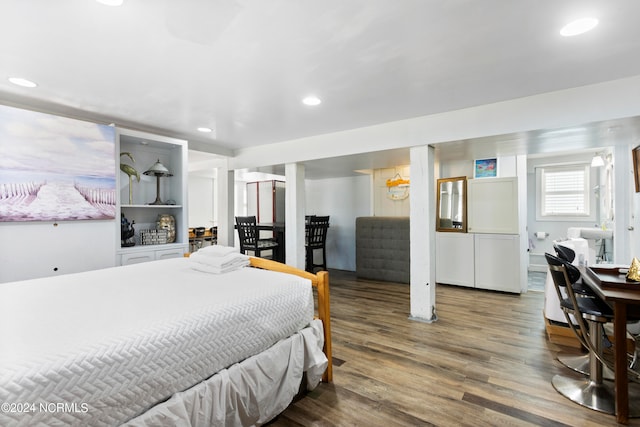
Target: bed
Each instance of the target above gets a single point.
(161, 343)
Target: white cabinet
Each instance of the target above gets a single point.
(454, 259)
(135, 197)
(150, 253)
(485, 261)
(170, 253)
(129, 258)
(497, 262)
(492, 205)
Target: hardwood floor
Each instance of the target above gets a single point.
(485, 362)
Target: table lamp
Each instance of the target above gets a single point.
(158, 170)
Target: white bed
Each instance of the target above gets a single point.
(113, 346)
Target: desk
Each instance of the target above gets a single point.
(619, 299)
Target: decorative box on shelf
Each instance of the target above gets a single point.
(154, 237)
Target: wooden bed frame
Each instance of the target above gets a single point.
(320, 281)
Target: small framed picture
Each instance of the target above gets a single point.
(485, 168)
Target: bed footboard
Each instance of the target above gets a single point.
(320, 281)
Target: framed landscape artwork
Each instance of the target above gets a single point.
(55, 168)
(485, 168)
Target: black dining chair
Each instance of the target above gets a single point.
(249, 237)
(316, 239)
(586, 317)
(579, 363)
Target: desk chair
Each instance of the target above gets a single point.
(249, 240)
(590, 315)
(316, 238)
(579, 363)
(212, 238)
(196, 238)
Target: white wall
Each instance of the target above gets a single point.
(382, 204)
(201, 199)
(31, 250)
(344, 199)
(556, 230)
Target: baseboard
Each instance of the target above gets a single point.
(538, 268)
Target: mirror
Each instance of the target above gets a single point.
(451, 204)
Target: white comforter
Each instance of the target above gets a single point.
(101, 347)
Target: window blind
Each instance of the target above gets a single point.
(565, 191)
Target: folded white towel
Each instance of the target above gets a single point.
(211, 264)
(217, 270)
(217, 261)
(217, 250)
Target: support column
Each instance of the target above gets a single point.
(624, 186)
(422, 235)
(225, 202)
(294, 215)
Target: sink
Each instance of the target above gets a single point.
(590, 233)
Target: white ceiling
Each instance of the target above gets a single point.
(241, 67)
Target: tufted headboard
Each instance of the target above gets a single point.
(382, 248)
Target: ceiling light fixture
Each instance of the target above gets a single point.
(597, 161)
(22, 82)
(205, 130)
(311, 100)
(578, 26)
(111, 2)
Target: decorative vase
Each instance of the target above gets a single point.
(127, 232)
(167, 222)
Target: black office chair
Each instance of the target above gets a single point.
(564, 252)
(589, 315)
(213, 237)
(316, 238)
(579, 363)
(249, 237)
(569, 255)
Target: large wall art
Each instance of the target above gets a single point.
(55, 168)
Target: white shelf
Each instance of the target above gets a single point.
(145, 149)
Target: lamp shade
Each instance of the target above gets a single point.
(158, 169)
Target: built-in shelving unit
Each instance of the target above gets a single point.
(136, 205)
(489, 256)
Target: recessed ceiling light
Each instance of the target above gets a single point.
(22, 82)
(578, 26)
(205, 130)
(311, 100)
(111, 2)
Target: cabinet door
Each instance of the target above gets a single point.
(492, 205)
(454, 259)
(497, 262)
(137, 257)
(170, 253)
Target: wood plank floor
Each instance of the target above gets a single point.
(485, 362)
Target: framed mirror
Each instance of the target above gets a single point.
(451, 204)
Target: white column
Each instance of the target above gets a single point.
(294, 215)
(623, 193)
(521, 173)
(224, 200)
(422, 235)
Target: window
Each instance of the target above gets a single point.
(563, 192)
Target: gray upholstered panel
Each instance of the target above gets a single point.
(382, 248)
